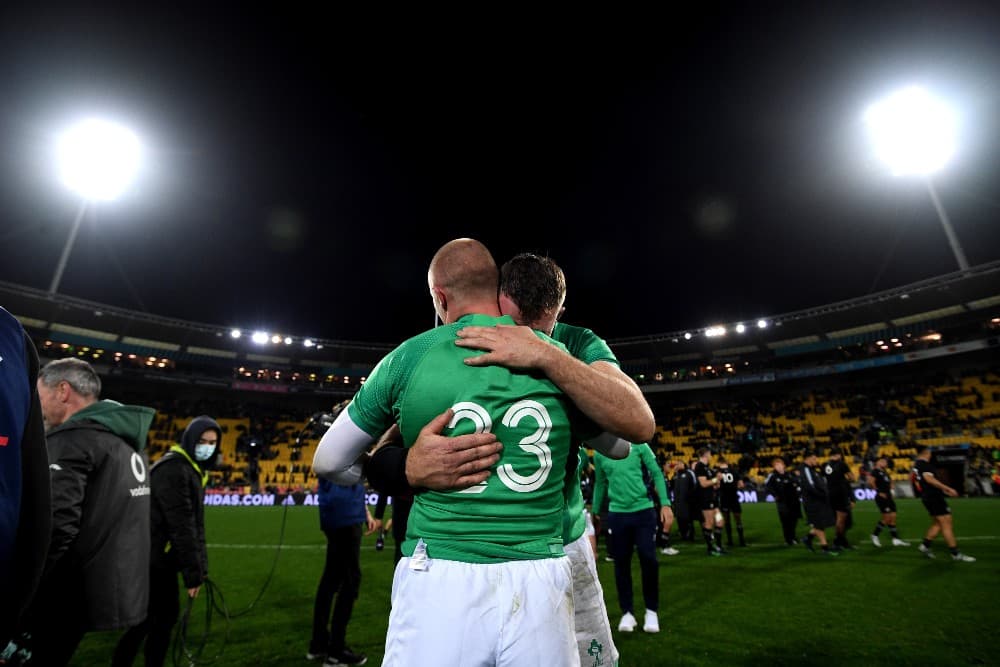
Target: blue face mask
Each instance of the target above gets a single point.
(203, 452)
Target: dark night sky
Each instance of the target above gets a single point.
(303, 166)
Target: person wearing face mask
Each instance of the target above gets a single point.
(178, 538)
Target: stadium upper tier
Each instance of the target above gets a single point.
(961, 307)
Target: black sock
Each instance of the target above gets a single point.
(878, 528)
(708, 539)
(739, 529)
(892, 531)
(927, 543)
(718, 537)
(953, 550)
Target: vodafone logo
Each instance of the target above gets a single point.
(138, 467)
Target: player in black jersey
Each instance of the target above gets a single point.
(784, 488)
(816, 499)
(707, 489)
(729, 502)
(881, 482)
(932, 493)
(838, 480)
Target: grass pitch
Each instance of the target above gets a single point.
(767, 604)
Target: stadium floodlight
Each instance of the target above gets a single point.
(741, 328)
(97, 160)
(716, 331)
(260, 337)
(288, 340)
(761, 324)
(308, 342)
(235, 333)
(687, 336)
(914, 134)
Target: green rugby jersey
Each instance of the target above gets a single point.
(588, 347)
(622, 481)
(517, 513)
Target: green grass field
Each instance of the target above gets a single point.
(765, 605)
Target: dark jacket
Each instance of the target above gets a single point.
(785, 490)
(178, 514)
(684, 495)
(100, 522)
(25, 512)
(340, 505)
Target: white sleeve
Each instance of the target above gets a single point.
(336, 457)
(611, 446)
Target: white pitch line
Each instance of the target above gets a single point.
(317, 547)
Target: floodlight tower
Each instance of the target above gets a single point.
(914, 135)
(97, 160)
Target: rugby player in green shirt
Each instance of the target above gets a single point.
(485, 579)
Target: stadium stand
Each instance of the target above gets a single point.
(889, 371)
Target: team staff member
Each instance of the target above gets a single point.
(880, 481)
(707, 490)
(632, 521)
(838, 479)
(97, 570)
(932, 492)
(785, 490)
(816, 499)
(509, 527)
(177, 525)
(729, 502)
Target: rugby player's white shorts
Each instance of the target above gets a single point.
(593, 630)
(455, 614)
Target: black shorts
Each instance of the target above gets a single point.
(730, 505)
(840, 502)
(885, 505)
(819, 515)
(707, 504)
(936, 505)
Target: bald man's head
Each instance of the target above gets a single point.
(463, 277)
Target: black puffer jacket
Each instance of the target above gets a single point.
(178, 515)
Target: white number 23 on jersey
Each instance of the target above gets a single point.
(536, 443)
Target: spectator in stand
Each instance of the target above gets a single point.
(881, 482)
(784, 488)
(25, 512)
(178, 546)
(97, 569)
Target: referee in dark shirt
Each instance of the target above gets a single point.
(881, 482)
(932, 493)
